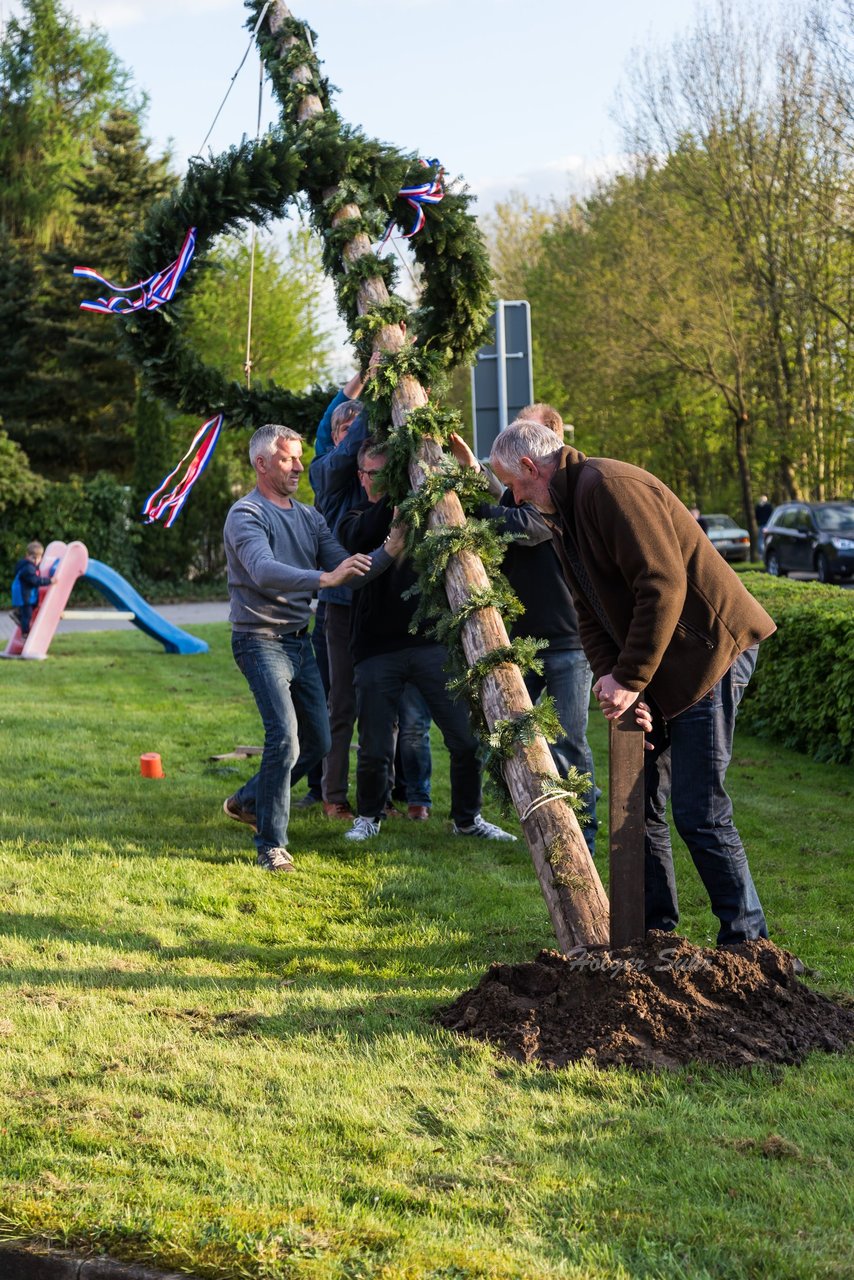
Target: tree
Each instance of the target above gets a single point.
(73, 394)
(775, 185)
(289, 343)
(57, 82)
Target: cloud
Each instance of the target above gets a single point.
(569, 176)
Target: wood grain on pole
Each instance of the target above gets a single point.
(575, 898)
(626, 805)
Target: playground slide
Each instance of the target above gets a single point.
(71, 562)
(121, 595)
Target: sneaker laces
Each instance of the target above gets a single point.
(484, 830)
(362, 828)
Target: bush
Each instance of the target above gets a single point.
(803, 691)
(98, 512)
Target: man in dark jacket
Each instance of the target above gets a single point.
(533, 569)
(660, 612)
(387, 657)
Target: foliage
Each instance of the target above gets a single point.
(803, 691)
(695, 314)
(289, 346)
(20, 486)
(80, 391)
(172, 1017)
(97, 510)
(58, 80)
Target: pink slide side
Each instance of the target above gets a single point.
(73, 562)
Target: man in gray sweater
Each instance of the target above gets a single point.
(279, 552)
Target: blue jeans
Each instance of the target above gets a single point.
(567, 678)
(380, 683)
(282, 673)
(414, 744)
(690, 758)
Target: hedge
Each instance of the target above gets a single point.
(802, 694)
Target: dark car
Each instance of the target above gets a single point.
(811, 537)
(730, 539)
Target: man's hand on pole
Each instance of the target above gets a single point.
(613, 698)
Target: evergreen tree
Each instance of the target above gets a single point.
(71, 403)
(57, 81)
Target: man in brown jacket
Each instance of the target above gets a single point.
(660, 613)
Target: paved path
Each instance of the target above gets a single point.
(183, 615)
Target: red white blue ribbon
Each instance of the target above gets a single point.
(152, 293)
(168, 502)
(427, 193)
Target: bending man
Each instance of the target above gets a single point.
(660, 612)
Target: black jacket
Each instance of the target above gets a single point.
(380, 618)
(534, 571)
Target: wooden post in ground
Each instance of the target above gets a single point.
(626, 806)
(574, 895)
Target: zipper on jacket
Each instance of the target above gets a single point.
(696, 633)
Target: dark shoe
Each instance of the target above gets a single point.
(391, 811)
(418, 812)
(308, 801)
(275, 860)
(234, 809)
(340, 812)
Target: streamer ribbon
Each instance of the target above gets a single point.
(165, 502)
(431, 192)
(152, 293)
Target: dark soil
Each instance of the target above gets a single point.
(656, 1004)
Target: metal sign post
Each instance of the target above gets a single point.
(502, 380)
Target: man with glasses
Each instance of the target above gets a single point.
(387, 657)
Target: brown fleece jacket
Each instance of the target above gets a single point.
(677, 615)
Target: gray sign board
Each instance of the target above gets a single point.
(502, 380)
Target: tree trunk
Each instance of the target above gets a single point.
(574, 895)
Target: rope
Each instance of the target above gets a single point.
(535, 804)
(255, 30)
(252, 241)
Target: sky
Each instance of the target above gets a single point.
(510, 95)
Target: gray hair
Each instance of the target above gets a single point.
(344, 414)
(263, 443)
(522, 439)
(544, 413)
(370, 448)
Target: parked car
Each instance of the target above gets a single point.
(811, 537)
(732, 541)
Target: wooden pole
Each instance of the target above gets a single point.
(573, 892)
(626, 805)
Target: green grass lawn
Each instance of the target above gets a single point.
(216, 1069)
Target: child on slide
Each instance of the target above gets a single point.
(25, 586)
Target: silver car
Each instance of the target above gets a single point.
(732, 541)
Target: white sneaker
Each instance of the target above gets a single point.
(362, 829)
(483, 830)
(275, 860)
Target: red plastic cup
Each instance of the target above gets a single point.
(150, 765)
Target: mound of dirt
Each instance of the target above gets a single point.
(656, 1004)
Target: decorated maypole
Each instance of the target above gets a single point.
(571, 886)
(357, 190)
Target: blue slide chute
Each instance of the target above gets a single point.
(121, 595)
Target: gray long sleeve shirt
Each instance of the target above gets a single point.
(275, 556)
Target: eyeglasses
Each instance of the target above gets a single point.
(372, 471)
